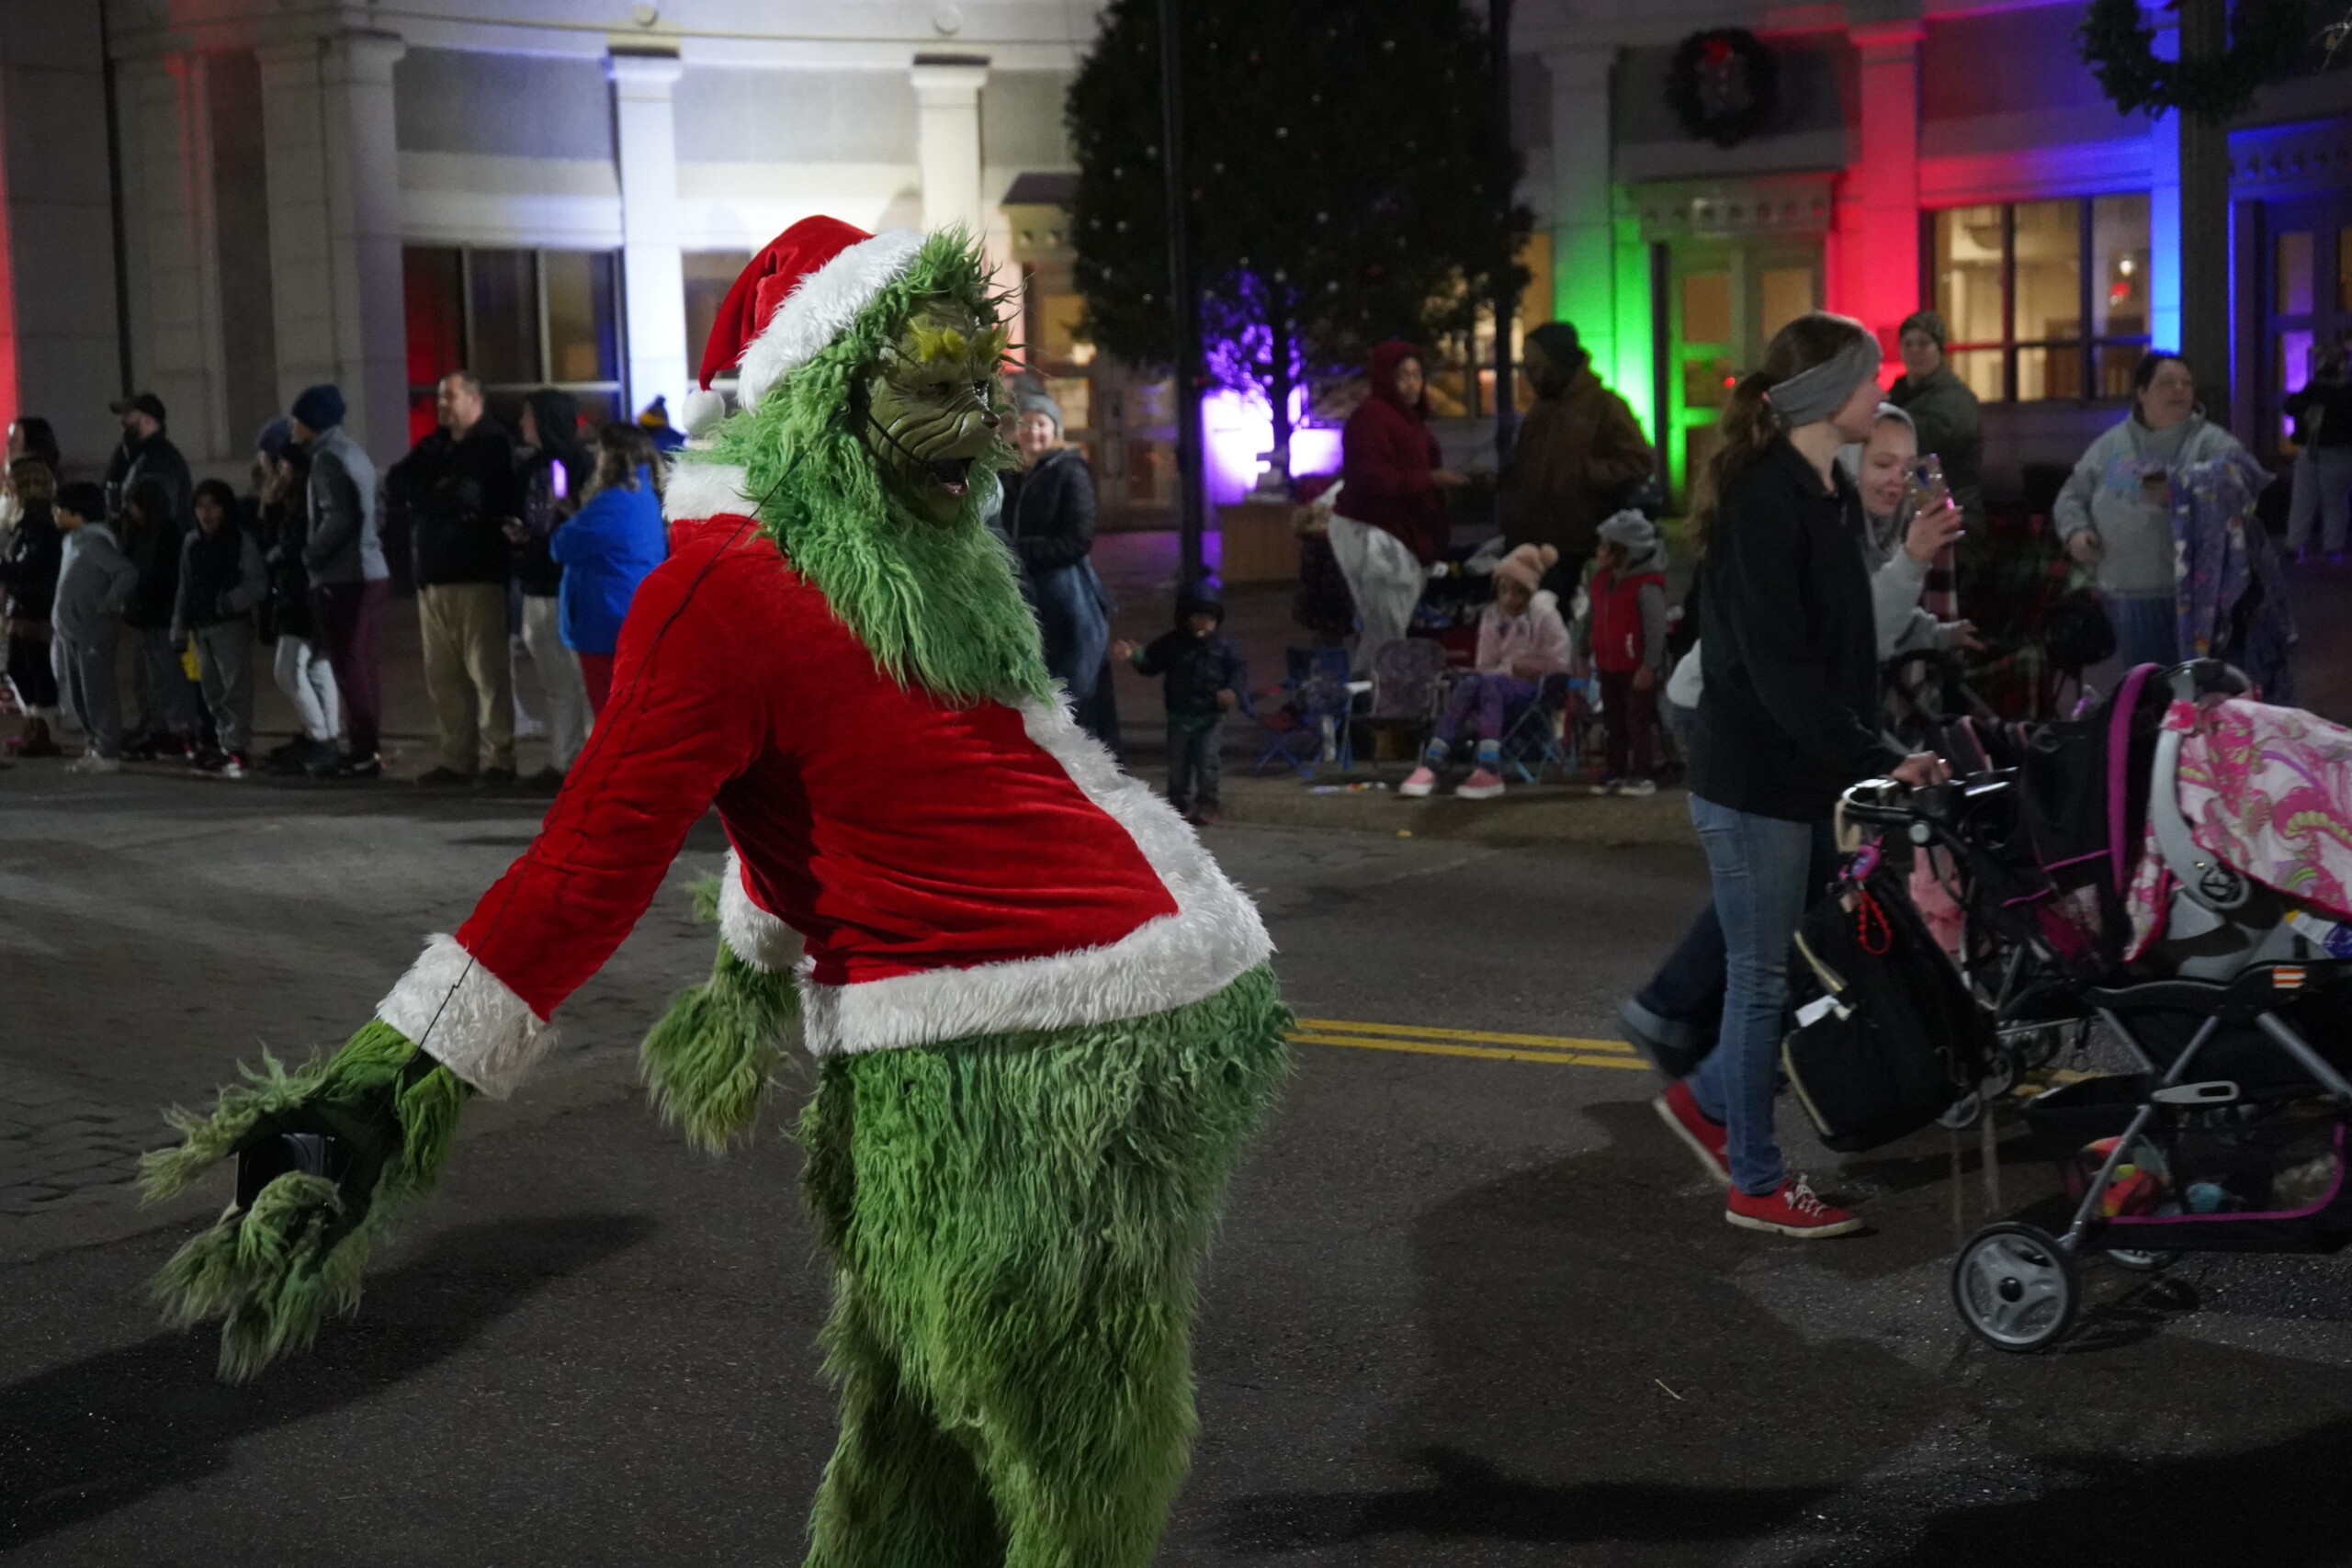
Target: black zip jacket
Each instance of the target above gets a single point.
(154, 549)
(28, 565)
(1788, 644)
(1195, 669)
(460, 495)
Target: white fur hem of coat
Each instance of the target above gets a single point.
(464, 1017)
(1214, 938)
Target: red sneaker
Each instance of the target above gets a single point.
(1794, 1210)
(1706, 1139)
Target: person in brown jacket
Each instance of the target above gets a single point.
(1579, 450)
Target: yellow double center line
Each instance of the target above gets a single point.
(1559, 1050)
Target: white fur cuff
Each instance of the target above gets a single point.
(753, 935)
(465, 1018)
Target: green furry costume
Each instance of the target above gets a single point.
(1026, 1115)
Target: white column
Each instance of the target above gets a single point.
(2164, 193)
(1584, 238)
(654, 284)
(1877, 276)
(174, 260)
(334, 228)
(947, 108)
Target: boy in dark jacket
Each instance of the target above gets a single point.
(223, 582)
(1201, 672)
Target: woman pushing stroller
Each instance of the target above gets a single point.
(1786, 720)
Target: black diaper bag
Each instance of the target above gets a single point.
(1887, 1037)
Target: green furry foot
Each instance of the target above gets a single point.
(272, 1272)
(708, 1061)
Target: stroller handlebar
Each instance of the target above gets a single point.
(1891, 802)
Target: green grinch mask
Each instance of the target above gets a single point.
(933, 407)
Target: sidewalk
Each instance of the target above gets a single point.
(1140, 570)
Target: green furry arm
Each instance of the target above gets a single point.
(707, 1061)
(272, 1271)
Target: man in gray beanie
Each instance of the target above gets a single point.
(1580, 450)
(1946, 413)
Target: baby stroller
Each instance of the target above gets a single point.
(2228, 1134)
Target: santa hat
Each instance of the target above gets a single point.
(795, 298)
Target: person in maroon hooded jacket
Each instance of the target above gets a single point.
(1388, 523)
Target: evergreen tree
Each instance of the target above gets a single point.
(1346, 175)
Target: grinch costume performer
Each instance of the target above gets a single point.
(1042, 1017)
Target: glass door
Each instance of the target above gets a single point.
(2307, 299)
(1723, 301)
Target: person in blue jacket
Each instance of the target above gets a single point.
(606, 549)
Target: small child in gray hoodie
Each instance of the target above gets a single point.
(87, 617)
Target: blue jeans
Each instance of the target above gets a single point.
(1762, 868)
(1193, 760)
(2147, 627)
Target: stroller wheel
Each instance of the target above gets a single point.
(2015, 1288)
(2141, 1262)
(1964, 1113)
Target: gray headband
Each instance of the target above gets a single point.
(1812, 395)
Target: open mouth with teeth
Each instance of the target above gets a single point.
(952, 475)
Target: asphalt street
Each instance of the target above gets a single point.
(1472, 1304)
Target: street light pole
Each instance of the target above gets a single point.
(1506, 386)
(1183, 309)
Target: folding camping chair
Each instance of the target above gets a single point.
(1408, 688)
(1312, 714)
(1546, 734)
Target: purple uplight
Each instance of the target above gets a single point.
(1238, 428)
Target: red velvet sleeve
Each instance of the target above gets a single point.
(688, 713)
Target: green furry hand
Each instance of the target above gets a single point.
(272, 1271)
(707, 1061)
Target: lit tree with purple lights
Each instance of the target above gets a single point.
(1343, 174)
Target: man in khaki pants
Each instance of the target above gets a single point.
(460, 489)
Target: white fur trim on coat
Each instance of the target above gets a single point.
(1212, 940)
(751, 935)
(465, 1018)
(695, 490)
(821, 309)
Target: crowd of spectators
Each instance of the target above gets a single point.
(527, 546)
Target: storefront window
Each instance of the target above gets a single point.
(520, 320)
(2045, 300)
(709, 275)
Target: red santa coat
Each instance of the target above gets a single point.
(952, 870)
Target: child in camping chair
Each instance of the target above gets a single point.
(1521, 639)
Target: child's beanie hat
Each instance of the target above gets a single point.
(1526, 566)
(1631, 529)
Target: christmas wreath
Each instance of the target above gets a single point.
(1724, 85)
(2120, 52)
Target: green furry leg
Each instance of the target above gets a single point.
(707, 1062)
(273, 1272)
(1018, 1222)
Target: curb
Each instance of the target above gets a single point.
(1524, 815)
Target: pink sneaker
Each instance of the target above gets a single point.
(1483, 784)
(1705, 1139)
(1795, 1209)
(1422, 782)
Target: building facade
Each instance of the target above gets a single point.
(225, 200)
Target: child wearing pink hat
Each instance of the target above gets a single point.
(1520, 639)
